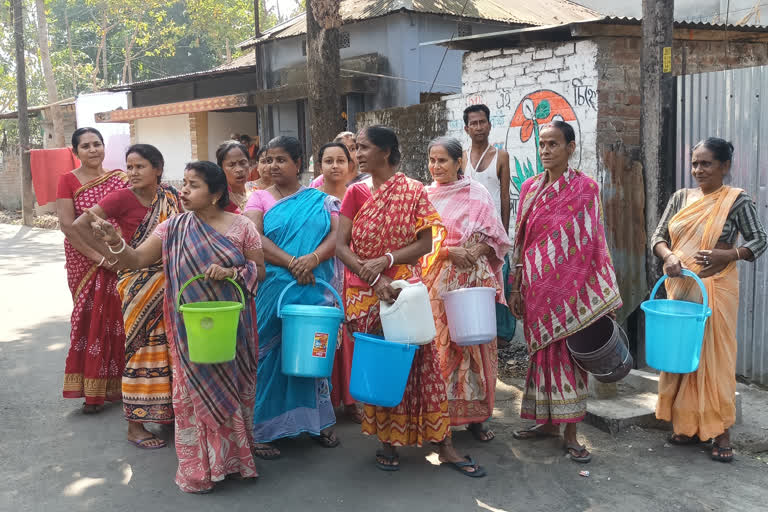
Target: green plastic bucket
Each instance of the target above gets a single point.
(211, 326)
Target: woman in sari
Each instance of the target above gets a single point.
(298, 226)
(213, 403)
(388, 231)
(348, 140)
(472, 255)
(260, 177)
(564, 282)
(137, 211)
(95, 361)
(699, 231)
(233, 158)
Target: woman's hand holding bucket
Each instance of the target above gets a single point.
(219, 273)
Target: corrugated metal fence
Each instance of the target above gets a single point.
(734, 105)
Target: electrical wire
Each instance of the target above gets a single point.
(446, 49)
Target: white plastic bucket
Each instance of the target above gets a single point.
(471, 315)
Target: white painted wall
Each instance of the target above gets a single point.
(221, 125)
(117, 136)
(170, 135)
(514, 83)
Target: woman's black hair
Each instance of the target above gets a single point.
(333, 145)
(385, 139)
(565, 128)
(225, 148)
(261, 151)
(149, 153)
(214, 177)
(82, 131)
(721, 149)
(290, 145)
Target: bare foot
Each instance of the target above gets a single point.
(92, 408)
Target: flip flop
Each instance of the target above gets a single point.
(479, 472)
(724, 453)
(476, 429)
(142, 443)
(327, 440)
(578, 448)
(533, 432)
(259, 452)
(681, 440)
(92, 409)
(389, 458)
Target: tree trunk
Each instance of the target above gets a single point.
(27, 197)
(323, 69)
(50, 80)
(105, 65)
(71, 55)
(128, 51)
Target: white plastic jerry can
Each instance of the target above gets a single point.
(409, 319)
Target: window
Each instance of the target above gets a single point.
(464, 29)
(343, 39)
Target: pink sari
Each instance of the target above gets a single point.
(568, 284)
(470, 373)
(95, 361)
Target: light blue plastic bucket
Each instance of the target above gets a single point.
(309, 336)
(674, 330)
(380, 370)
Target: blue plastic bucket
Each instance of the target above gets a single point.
(380, 370)
(309, 336)
(674, 330)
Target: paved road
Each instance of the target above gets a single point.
(56, 459)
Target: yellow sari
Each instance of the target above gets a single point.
(703, 402)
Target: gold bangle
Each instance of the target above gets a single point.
(316, 257)
(291, 262)
(738, 254)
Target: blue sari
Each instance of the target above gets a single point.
(286, 406)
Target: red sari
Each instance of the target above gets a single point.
(384, 221)
(94, 365)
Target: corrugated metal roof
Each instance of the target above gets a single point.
(167, 80)
(495, 39)
(541, 12)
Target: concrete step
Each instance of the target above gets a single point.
(618, 413)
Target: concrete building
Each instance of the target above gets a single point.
(263, 93)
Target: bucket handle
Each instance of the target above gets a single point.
(201, 276)
(317, 281)
(686, 272)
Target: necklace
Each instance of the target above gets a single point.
(279, 192)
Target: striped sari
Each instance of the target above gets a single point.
(390, 220)
(147, 373)
(470, 373)
(213, 403)
(95, 360)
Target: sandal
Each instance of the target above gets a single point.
(328, 440)
(356, 416)
(681, 440)
(724, 453)
(267, 452)
(578, 453)
(533, 432)
(392, 460)
(461, 466)
(142, 443)
(484, 435)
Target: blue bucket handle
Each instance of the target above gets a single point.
(317, 281)
(705, 303)
(201, 276)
